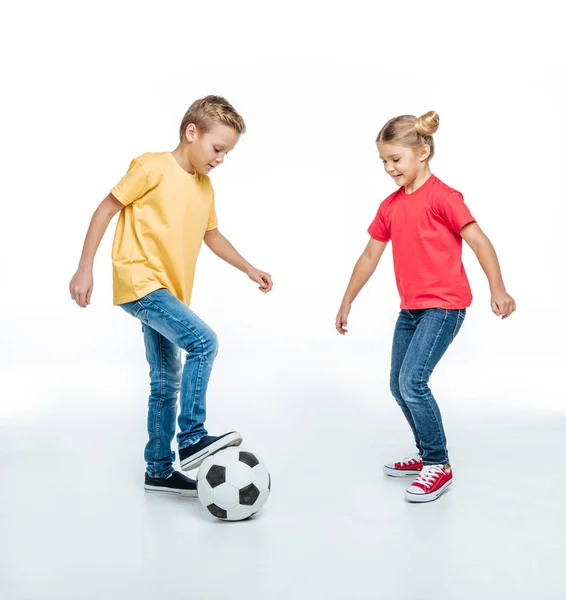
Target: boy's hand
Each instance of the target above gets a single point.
(264, 279)
(342, 318)
(81, 287)
(502, 304)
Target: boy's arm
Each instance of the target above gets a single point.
(82, 282)
(502, 303)
(224, 250)
(364, 269)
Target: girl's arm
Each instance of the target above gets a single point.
(363, 270)
(502, 303)
(82, 282)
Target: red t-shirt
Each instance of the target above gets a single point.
(424, 229)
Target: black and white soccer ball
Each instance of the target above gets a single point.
(233, 484)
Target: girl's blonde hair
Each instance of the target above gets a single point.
(209, 111)
(410, 131)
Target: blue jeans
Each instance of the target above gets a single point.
(168, 326)
(421, 338)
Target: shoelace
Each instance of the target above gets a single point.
(429, 475)
(410, 460)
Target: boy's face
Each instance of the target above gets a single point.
(401, 163)
(207, 150)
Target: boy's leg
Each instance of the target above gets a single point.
(176, 322)
(435, 331)
(404, 331)
(164, 360)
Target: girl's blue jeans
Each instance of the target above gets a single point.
(420, 340)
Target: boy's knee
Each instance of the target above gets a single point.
(165, 388)
(205, 343)
(212, 343)
(209, 343)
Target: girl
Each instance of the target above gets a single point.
(426, 221)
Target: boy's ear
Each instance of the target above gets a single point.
(190, 132)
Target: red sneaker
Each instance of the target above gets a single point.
(432, 481)
(411, 465)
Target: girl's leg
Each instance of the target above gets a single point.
(435, 331)
(404, 331)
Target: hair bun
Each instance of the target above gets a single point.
(427, 124)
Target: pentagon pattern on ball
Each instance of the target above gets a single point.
(217, 511)
(249, 495)
(216, 476)
(249, 459)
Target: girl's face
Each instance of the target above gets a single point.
(208, 150)
(403, 164)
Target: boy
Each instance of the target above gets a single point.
(166, 205)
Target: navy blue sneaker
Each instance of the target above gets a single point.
(176, 484)
(191, 457)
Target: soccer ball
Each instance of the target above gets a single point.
(233, 484)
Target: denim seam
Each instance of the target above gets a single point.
(421, 380)
(161, 400)
(198, 387)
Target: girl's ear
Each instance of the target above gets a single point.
(424, 152)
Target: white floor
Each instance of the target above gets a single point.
(75, 523)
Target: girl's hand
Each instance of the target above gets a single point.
(342, 318)
(81, 287)
(264, 279)
(502, 304)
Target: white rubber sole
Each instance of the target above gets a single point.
(393, 472)
(153, 489)
(232, 439)
(427, 497)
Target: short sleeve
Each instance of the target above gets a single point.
(454, 211)
(133, 185)
(212, 217)
(379, 229)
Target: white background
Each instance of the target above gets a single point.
(87, 87)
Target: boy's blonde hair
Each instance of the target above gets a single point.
(209, 111)
(410, 131)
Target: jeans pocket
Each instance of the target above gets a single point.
(459, 322)
(138, 311)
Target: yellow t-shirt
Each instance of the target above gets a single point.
(160, 231)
